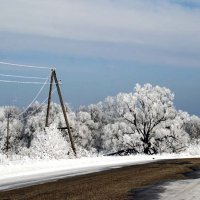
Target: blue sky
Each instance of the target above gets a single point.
(101, 48)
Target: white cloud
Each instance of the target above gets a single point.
(147, 30)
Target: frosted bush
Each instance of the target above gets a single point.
(50, 144)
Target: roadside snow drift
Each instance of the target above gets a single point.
(18, 173)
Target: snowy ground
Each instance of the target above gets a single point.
(182, 190)
(15, 173)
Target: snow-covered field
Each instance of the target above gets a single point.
(18, 173)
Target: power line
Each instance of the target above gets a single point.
(22, 65)
(37, 95)
(25, 77)
(38, 107)
(24, 82)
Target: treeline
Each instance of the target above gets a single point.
(143, 121)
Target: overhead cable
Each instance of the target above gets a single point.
(22, 65)
(25, 82)
(38, 107)
(37, 95)
(25, 77)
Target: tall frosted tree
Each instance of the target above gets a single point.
(148, 114)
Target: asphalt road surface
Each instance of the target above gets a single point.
(188, 189)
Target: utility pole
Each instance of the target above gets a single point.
(54, 77)
(8, 133)
(49, 99)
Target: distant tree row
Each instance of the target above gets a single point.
(144, 121)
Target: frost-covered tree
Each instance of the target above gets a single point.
(114, 139)
(34, 120)
(80, 124)
(84, 131)
(9, 114)
(96, 120)
(148, 114)
(192, 127)
(172, 138)
(48, 144)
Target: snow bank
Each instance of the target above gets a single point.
(193, 149)
(18, 173)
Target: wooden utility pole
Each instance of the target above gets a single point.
(8, 134)
(49, 99)
(54, 76)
